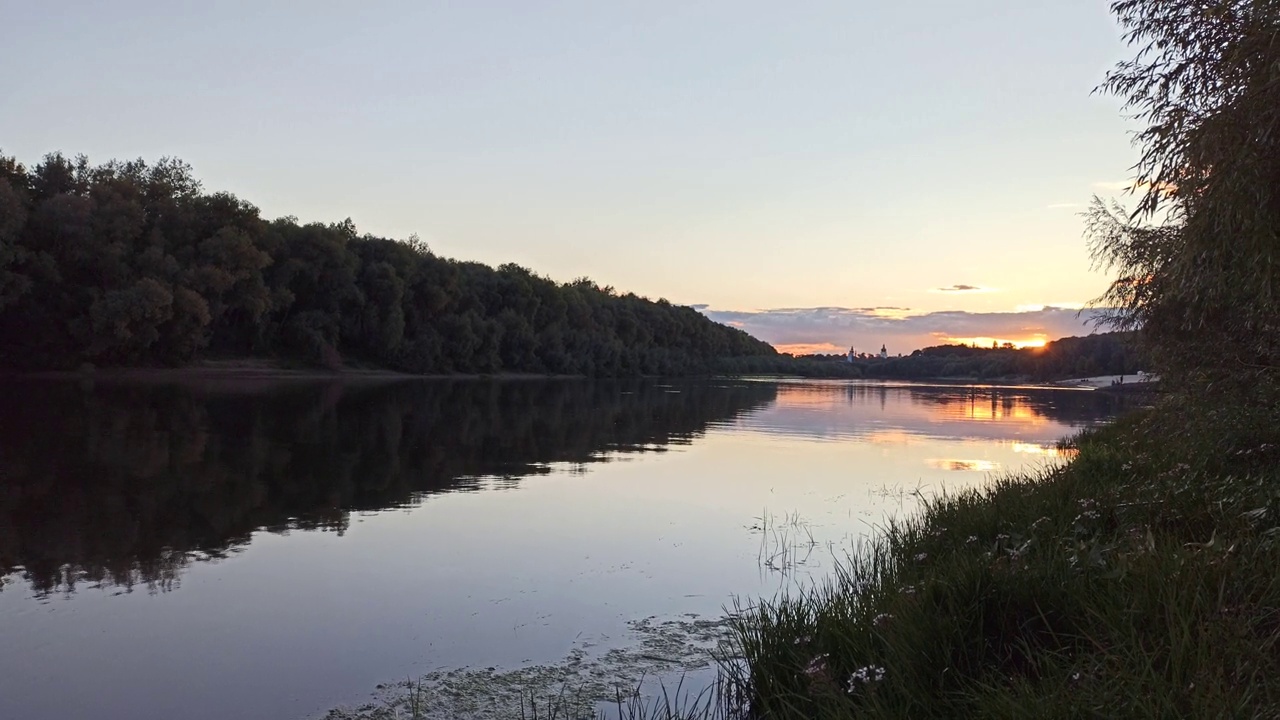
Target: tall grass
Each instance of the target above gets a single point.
(1139, 580)
(786, 543)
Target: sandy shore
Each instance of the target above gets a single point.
(1106, 381)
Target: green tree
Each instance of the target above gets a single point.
(130, 263)
(13, 216)
(1197, 261)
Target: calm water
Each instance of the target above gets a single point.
(273, 550)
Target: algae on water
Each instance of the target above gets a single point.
(660, 653)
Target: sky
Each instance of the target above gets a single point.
(824, 175)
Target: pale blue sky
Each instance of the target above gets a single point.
(746, 155)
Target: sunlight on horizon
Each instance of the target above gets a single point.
(986, 342)
(808, 348)
(820, 348)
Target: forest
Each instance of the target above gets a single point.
(134, 264)
(1110, 353)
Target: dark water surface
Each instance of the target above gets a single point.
(273, 549)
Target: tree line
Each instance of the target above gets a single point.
(134, 264)
(1114, 353)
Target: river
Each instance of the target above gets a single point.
(276, 549)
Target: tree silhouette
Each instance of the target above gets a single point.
(134, 264)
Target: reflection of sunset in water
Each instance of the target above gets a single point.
(891, 437)
(1051, 451)
(963, 465)
(893, 412)
(329, 491)
(986, 404)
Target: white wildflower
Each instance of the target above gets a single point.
(864, 675)
(817, 665)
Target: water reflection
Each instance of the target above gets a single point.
(896, 414)
(126, 485)
(954, 465)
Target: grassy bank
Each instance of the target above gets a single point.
(1139, 580)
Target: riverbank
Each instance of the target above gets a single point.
(1136, 581)
(261, 369)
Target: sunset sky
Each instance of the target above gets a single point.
(822, 174)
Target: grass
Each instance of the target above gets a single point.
(1139, 580)
(786, 543)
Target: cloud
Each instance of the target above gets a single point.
(865, 329)
(1114, 185)
(1130, 186)
(1061, 305)
(811, 349)
(961, 288)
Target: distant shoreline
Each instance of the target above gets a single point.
(268, 370)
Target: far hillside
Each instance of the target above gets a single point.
(130, 264)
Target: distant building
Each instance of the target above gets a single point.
(851, 355)
(884, 352)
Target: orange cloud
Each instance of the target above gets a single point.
(810, 348)
(1044, 306)
(828, 330)
(1131, 186)
(892, 313)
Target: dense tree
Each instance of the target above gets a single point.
(1071, 357)
(1198, 261)
(134, 264)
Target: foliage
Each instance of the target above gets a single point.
(134, 264)
(1138, 581)
(782, 364)
(1073, 357)
(1202, 282)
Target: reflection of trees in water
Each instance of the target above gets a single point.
(126, 485)
(1068, 407)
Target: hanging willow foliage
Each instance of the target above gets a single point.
(1197, 259)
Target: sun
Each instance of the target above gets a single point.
(1036, 342)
